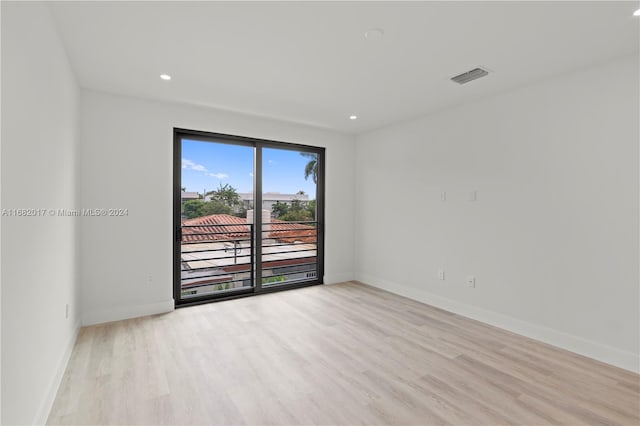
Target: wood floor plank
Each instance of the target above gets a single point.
(345, 354)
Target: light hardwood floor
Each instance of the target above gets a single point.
(344, 354)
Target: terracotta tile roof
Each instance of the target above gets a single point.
(218, 227)
(304, 234)
(213, 228)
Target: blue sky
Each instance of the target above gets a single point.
(206, 165)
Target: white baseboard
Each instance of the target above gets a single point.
(126, 312)
(339, 277)
(607, 354)
(45, 406)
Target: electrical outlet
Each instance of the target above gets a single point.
(441, 274)
(473, 196)
(66, 310)
(471, 281)
(443, 196)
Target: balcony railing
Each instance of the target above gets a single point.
(289, 251)
(220, 257)
(214, 259)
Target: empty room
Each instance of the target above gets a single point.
(320, 213)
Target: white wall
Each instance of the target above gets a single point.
(126, 162)
(0, 225)
(553, 235)
(39, 146)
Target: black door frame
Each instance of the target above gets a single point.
(258, 144)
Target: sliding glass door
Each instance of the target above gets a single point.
(226, 247)
(289, 213)
(216, 240)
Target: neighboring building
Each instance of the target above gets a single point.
(186, 196)
(270, 198)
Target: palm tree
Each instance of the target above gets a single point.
(311, 169)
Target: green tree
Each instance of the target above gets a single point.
(215, 207)
(279, 209)
(297, 216)
(311, 208)
(225, 200)
(297, 211)
(311, 169)
(227, 194)
(193, 208)
(199, 208)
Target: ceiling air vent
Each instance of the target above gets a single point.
(468, 76)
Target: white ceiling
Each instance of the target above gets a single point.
(309, 62)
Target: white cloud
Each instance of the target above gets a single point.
(250, 174)
(219, 175)
(190, 165)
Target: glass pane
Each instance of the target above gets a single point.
(289, 230)
(217, 192)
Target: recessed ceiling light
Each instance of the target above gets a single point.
(353, 117)
(374, 34)
(165, 77)
(636, 13)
